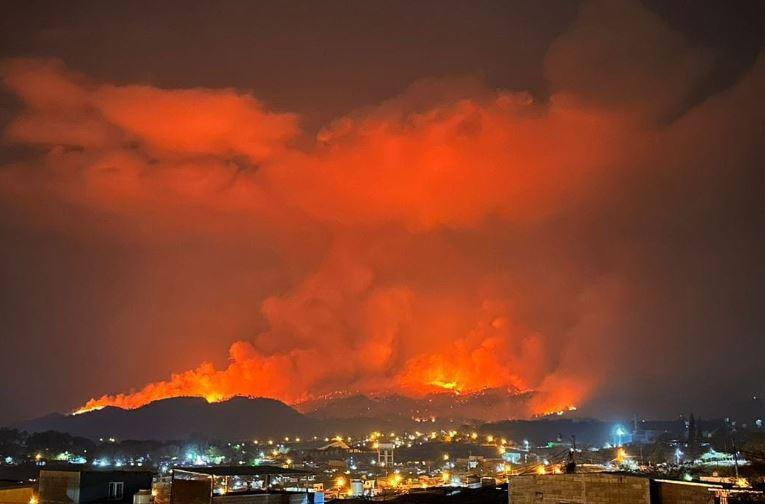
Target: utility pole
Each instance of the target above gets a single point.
(571, 466)
(735, 456)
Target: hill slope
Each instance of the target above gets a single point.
(179, 418)
(486, 405)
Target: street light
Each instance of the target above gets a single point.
(619, 434)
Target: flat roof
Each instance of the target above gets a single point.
(624, 474)
(242, 470)
(98, 470)
(12, 485)
(690, 483)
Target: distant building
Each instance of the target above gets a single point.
(87, 486)
(649, 431)
(515, 456)
(607, 488)
(334, 450)
(385, 454)
(336, 446)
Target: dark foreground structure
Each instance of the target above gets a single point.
(85, 486)
(15, 493)
(612, 488)
(239, 485)
(484, 495)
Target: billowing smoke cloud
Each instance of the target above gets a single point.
(451, 237)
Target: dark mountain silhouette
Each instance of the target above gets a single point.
(484, 405)
(588, 431)
(180, 418)
(249, 418)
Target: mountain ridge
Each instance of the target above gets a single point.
(247, 418)
(181, 418)
(486, 405)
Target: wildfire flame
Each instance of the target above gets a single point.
(445, 239)
(452, 385)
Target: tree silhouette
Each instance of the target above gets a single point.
(692, 431)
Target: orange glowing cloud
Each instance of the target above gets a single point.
(451, 165)
(66, 109)
(433, 242)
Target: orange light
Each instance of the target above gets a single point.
(394, 480)
(451, 385)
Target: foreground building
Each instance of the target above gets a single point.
(610, 488)
(16, 493)
(77, 486)
(238, 485)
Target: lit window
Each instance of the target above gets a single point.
(115, 490)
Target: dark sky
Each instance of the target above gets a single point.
(621, 265)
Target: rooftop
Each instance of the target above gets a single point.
(242, 470)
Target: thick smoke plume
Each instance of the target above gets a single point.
(453, 237)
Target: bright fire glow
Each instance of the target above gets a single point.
(377, 298)
(452, 385)
(442, 240)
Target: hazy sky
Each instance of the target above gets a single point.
(293, 198)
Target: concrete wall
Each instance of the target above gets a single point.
(81, 487)
(94, 485)
(604, 488)
(267, 498)
(59, 487)
(252, 499)
(579, 489)
(679, 492)
(161, 491)
(185, 491)
(16, 495)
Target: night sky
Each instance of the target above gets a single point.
(288, 199)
